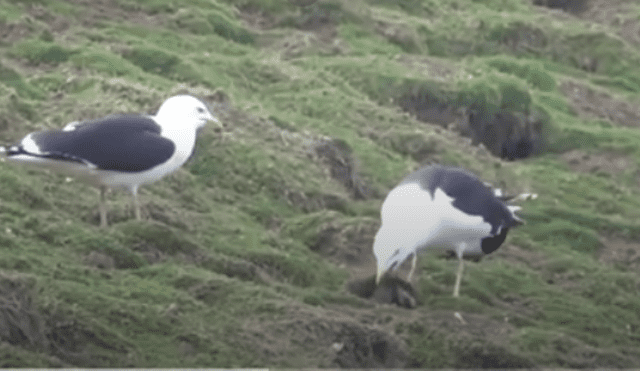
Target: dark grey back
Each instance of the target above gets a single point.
(471, 196)
(128, 143)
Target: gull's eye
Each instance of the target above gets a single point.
(200, 110)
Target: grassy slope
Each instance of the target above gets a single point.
(221, 272)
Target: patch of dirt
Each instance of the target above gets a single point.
(309, 203)
(348, 246)
(302, 3)
(590, 103)
(65, 341)
(98, 11)
(315, 30)
(617, 14)
(572, 6)
(398, 34)
(91, 14)
(610, 163)
(327, 339)
(257, 19)
(522, 38)
(14, 31)
(431, 108)
(429, 67)
(21, 323)
(56, 23)
(319, 17)
(425, 147)
(150, 253)
(99, 260)
(516, 254)
(300, 43)
(163, 214)
(477, 340)
(473, 340)
(240, 269)
(83, 346)
(358, 346)
(620, 253)
(338, 155)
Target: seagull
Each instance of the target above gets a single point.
(118, 151)
(441, 207)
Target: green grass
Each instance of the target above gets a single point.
(244, 254)
(42, 52)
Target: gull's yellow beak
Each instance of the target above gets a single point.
(215, 121)
(381, 271)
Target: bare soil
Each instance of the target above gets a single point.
(329, 338)
(610, 163)
(620, 253)
(589, 103)
(618, 14)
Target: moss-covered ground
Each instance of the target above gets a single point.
(244, 256)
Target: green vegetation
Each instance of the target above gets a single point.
(39, 51)
(245, 255)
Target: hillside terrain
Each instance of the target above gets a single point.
(256, 251)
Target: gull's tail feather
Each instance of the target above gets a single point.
(515, 216)
(513, 208)
(515, 198)
(526, 196)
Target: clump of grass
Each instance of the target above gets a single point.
(193, 22)
(156, 235)
(493, 93)
(153, 60)
(41, 52)
(533, 73)
(160, 62)
(22, 323)
(12, 79)
(17, 357)
(306, 228)
(20, 189)
(295, 269)
(518, 38)
(269, 6)
(565, 233)
(102, 61)
(319, 13)
(124, 257)
(627, 83)
(418, 146)
(409, 6)
(596, 52)
(228, 29)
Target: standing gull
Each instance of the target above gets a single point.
(118, 151)
(439, 207)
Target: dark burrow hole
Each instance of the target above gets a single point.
(572, 6)
(512, 129)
